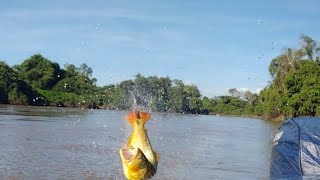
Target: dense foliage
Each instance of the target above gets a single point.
(13, 89)
(39, 81)
(295, 86)
(294, 89)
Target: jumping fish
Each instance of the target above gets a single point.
(138, 158)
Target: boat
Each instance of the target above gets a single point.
(296, 150)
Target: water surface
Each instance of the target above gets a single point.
(63, 143)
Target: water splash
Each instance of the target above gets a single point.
(141, 100)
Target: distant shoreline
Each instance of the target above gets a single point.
(85, 108)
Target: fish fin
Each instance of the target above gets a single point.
(144, 116)
(156, 155)
(133, 116)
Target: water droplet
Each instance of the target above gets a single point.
(165, 28)
(97, 26)
(188, 131)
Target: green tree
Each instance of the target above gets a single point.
(234, 92)
(273, 103)
(309, 46)
(76, 80)
(250, 97)
(177, 102)
(15, 91)
(193, 99)
(304, 89)
(40, 72)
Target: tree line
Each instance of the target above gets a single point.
(294, 89)
(40, 81)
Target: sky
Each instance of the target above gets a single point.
(216, 45)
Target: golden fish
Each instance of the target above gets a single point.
(138, 159)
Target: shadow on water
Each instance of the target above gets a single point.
(84, 144)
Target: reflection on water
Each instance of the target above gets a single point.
(62, 143)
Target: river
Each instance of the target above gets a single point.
(66, 143)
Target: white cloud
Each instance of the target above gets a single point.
(243, 89)
(187, 82)
(223, 92)
(214, 92)
(258, 90)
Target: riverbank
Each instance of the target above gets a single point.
(276, 120)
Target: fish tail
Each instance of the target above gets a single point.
(134, 116)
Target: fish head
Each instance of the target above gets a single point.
(135, 164)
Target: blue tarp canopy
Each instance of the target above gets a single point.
(296, 150)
